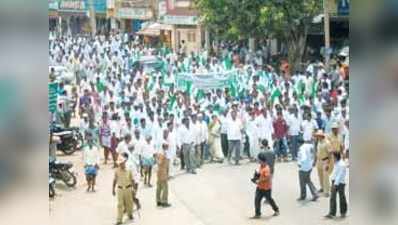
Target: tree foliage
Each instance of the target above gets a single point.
(288, 20)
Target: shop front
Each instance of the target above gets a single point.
(131, 15)
(102, 21)
(53, 15)
(74, 17)
(157, 34)
(186, 31)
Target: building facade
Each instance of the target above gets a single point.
(184, 18)
(73, 17)
(129, 15)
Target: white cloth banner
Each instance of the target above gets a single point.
(206, 81)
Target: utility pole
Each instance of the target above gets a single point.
(326, 20)
(93, 22)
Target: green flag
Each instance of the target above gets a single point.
(314, 89)
(275, 94)
(200, 94)
(172, 100)
(301, 100)
(188, 87)
(227, 62)
(150, 84)
(261, 88)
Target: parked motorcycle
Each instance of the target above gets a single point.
(62, 171)
(70, 139)
(51, 186)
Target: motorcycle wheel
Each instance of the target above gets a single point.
(78, 142)
(51, 191)
(70, 150)
(69, 178)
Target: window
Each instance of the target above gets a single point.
(191, 36)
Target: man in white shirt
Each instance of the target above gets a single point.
(293, 132)
(308, 126)
(224, 138)
(187, 142)
(172, 151)
(234, 134)
(305, 162)
(252, 132)
(203, 138)
(265, 126)
(91, 157)
(338, 186)
(196, 129)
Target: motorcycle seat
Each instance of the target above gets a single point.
(62, 133)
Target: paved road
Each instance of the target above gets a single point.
(220, 194)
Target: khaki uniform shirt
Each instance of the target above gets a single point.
(335, 142)
(124, 177)
(323, 149)
(163, 168)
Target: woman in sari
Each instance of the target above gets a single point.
(215, 140)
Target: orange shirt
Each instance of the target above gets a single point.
(265, 182)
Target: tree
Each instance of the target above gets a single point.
(288, 20)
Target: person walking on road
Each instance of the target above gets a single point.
(123, 181)
(305, 161)
(338, 186)
(91, 158)
(253, 136)
(323, 162)
(234, 134)
(280, 128)
(269, 155)
(162, 190)
(216, 153)
(187, 142)
(264, 187)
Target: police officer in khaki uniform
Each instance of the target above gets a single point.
(123, 181)
(162, 190)
(335, 140)
(324, 162)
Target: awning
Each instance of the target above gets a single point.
(154, 29)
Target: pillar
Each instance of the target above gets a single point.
(122, 25)
(93, 22)
(113, 23)
(198, 38)
(207, 39)
(59, 25)
(68, 26)
(326, 20)
(252, 44)
(174, 38)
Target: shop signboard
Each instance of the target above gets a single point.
(134, 13)
(100, 6)
(52, 5)
(180, 20)
(72, 5)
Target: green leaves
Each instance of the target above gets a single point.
(247, 18)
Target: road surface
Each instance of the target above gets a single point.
(219, 194)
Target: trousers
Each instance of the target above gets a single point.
(340, 189)
(189, 157)
(224, 144)
(267, 194)
(162, 192)
(305, 180)
(124, 203)
(234, 147)
(324, 175)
